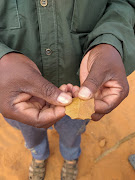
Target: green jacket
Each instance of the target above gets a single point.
(56, 34)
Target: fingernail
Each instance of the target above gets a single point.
(85, 93)
(64, 98)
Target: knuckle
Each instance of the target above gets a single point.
(94, 81)
(48, 89)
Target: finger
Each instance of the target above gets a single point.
(23, 97)
(109, 98)
(63, 88)
(72, 90)
(51, 115)
(75, 91)
(108, 103)
(49, 125)
(52, 123)
(69, 87)
(97, 116)
(42, 88)
(66, 89)
(94, 80)
(38, 102)
(29, 114)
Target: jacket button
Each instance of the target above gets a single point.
(43, 3)
(48, 52)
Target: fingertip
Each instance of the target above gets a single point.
(70, 85)
(75, 88)
(75, 91)
(63, 87)
(60, 111)
(64, 98)
(85, 93)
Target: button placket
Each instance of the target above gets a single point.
(48, 39)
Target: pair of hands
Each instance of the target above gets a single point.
(27, 97)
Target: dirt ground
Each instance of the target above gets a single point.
(106, 146)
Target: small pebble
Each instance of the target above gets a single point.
(102, 142)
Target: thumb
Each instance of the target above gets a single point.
(93, 82)
(44, 89)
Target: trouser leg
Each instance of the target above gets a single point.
(35, 139)
(70, 136)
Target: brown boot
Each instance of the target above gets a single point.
(37, 170)
(69, 170)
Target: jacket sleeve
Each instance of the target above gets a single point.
(116, 28)
(5, 50)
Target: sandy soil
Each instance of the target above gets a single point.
(106, 146)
